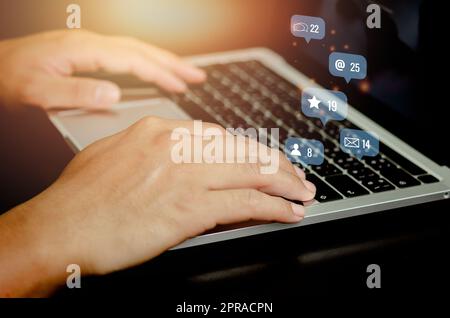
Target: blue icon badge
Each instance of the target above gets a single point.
(347, 65)
(324, 104)
(304, 151)
(303, 26)
(359, 143)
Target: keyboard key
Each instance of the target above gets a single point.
(401, 161)
(279, 112)
(328, 144)
(299, 127)
(332, 130)
(428, 179)
(312, 134)
(380, 163)
(324, 192)
(334, 153)
(378, 185)
(363, 173)
(399, 177)
(346, 185)
(238, 122)
(269, 123)
(345, 161)
(259, 118)
(327, 169)
(317, 123)
(283, 134)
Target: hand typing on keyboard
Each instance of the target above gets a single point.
(37, 69)
(249, 94)
(123, 201)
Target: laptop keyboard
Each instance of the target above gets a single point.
(248, 94)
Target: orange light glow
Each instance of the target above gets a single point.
(364, 86)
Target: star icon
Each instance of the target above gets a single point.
(314, 102)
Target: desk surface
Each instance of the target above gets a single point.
(409, 243)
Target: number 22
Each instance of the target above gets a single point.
(314, 28)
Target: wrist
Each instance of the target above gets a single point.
(30, 263)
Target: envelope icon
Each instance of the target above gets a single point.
(350, 142)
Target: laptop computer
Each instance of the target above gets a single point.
(257, 87)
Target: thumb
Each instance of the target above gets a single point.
(76, 92)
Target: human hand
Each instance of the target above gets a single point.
(123, 201)
(38, 69)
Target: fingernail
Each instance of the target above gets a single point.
(107, 94)
(310, 186)
(298, 210)
(299, 172)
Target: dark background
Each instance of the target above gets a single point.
(409, 244)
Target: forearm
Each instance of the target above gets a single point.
(27, 267)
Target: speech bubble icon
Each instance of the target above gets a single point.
(359, 143)
(347, 65)
(324, 104)
(307, 27)
(304, 151)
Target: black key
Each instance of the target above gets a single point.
(334, 153)
(327, 169)
(428, 179)
(329, 152)
(363, 173)
(312, 135)
(246, 108)
(298, 126)
(401, 161)
(346, 185)
(378, 185)
(269, 123)
(380, 163)
(259, 118)
(399, 177)
(340, 154)
(345, 161)
(318, 123)
(332, 129)
(283, 134)
(328, 144)
(280, 113)
(238, 122)
(324, 192)
(217, 105)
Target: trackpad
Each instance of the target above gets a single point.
(83, 128)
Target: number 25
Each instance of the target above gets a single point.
(354, 67)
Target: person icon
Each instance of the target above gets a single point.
(295, 151)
